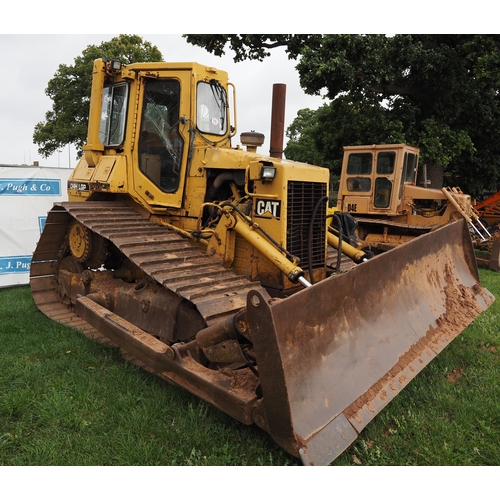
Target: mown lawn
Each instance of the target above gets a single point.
(65, 400)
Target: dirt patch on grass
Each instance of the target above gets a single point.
(455, 375)
(491, 349)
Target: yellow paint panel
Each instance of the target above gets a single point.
(82, 171)
(104, 168)
(356, 204)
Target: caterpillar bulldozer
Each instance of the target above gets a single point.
(381, 205)
(216, 267)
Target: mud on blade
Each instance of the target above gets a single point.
(333, 355)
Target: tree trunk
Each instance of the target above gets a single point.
(433, 174)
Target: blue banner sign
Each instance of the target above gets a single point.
(41, 222)
(15, 265)
(31, 187)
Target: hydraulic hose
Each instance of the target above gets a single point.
(310, 239)
(336, 240)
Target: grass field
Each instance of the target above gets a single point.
(65, 400)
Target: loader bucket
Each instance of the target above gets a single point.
(333, 355)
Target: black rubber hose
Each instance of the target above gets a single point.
(309, 243)
(340, 237)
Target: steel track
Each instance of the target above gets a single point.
(159, 252)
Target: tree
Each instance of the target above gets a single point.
(69, 89)
(318, 136)
(255, 47)
(438, 92)
(303, 136)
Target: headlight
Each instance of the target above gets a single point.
(116, 65)
(267, 173)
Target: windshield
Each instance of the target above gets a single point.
(211, 108)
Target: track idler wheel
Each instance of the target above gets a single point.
(79, 241)
(86, 246)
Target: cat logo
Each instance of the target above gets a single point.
(268, 208)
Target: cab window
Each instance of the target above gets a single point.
(113, 114)
(410, 167)
(359, 164)
(359, 184)
(160, 143)
(385, 163)
(383, 189)
(409, 170)
(211, 108)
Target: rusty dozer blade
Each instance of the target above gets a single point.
(333, 355)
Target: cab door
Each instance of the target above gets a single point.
(383, 186)
(162, 137)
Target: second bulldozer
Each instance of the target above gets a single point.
(210, 265)
(381, 205)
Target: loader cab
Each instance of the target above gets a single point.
(373, 178)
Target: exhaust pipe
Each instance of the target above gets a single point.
(278, 120)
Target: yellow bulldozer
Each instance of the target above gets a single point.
(379, 189)
(216, 266)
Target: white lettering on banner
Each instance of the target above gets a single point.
(268, 208)
(26, 195)
(15, 264)
(14, 187)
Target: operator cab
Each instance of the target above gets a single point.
(373, 177)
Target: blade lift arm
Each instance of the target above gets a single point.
(236, 220)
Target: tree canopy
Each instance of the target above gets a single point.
(69, 90)
(438, 92)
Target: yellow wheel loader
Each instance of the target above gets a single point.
(214, 266)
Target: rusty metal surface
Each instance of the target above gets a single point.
(161, 253)
(221, 389)
(174, 264)
(277, 120)
(494, 261)
(348, 345)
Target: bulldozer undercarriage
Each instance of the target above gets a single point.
(382, 235)
(312, 369)
(125, 276)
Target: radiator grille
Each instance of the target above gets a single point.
(302, 198)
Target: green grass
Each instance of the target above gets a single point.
(65, 400)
